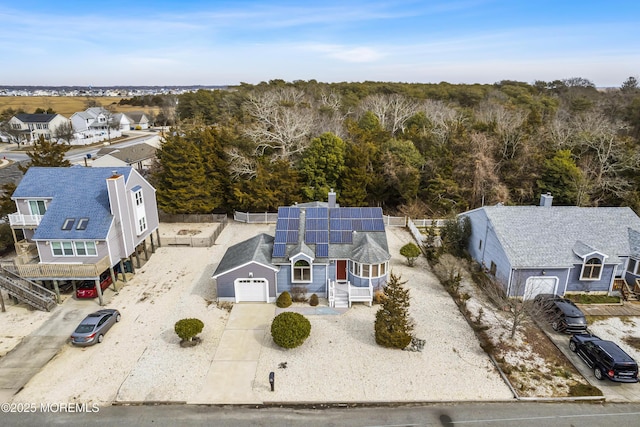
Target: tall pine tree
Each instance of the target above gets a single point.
(393, 326)
(47, 154)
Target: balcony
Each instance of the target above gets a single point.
(42, 271)
(17, 220)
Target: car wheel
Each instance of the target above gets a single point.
(555, 326)
(572, 346)
(100, 338)
(118, 317)
(598, 373)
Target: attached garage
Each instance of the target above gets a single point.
(540, 285)
(251, 290)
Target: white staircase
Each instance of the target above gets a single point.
(341, 297)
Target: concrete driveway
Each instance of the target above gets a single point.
(233, 370)
(612, 391)
(19, 365)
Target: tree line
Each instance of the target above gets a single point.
(417, 149)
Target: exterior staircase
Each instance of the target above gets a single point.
(27, 291)
(628, 293)
(341, 298)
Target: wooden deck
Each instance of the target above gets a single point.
(628, 308)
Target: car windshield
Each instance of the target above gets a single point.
(83, 329)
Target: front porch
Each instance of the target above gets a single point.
(343, 294)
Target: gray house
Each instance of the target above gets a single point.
(556, 249)
(337, 253)
(78, 223)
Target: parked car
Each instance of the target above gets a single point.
(87, 288)
(561, 313)
(605, 358)
(93, 327)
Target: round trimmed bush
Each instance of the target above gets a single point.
(188, 328)
(289, 329)
(313, 300)
(284, 300)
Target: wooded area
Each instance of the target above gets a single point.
(418, 149)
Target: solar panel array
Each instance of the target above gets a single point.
(324, 226)
(287, 229)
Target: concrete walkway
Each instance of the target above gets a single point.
(233, 370)
(19, 365)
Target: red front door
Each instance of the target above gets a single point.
(341, 270)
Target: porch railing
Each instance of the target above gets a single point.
(17, 220)
(331, 287)
(360, 294)
(57, 271)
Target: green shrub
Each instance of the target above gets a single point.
(284, 300)
(188, 328)
(411, 252)
(290, 329)
(313, 300)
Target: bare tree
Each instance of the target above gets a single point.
(518, 308)
(240, 166)
(508, 123)
(64, 132)
(444, 120)
(486, 187)
(282, 122)
(392, 110)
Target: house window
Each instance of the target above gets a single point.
(142, 225)
(68, 224)
(591, 269)
(82, 224)
(138, 197)
(480, 245)
(375, 270)
(493, 268)
(633, 266)
(37, 207)
(301, 271)
(366, 270)
(75, 248)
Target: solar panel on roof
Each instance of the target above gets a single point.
(378, 224)
(322, 250)
(279, 249)
(292, 236)
(283, 212)
(335, 236)
(281, 236)
(322, 236)
(310, 237)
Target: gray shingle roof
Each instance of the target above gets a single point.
(35, 118)
(75, 192)
(131, 154)
(257, 249)
(536, 236)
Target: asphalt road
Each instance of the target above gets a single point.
(523, 414)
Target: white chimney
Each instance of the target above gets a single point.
(546, 200)
(332, 199)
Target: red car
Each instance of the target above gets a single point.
(88, 288)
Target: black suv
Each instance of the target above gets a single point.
(605, 358)
(561, 313)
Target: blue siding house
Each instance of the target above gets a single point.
(319, 248)
(556, 249)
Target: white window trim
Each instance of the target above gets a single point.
(591, 279)
(357, 268)
(293, 270)
(60, 246)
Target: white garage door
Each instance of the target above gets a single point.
(251, 290)
(540, 285)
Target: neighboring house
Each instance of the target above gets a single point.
(140, 156)
(95, 124)
(122, 121)
(556, 249)
(77, 223)
(337, 253)
(29, 127)
(139, 120)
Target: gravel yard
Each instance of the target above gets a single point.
(140, 359)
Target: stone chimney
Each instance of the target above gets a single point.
(546, 200)
(332, 199)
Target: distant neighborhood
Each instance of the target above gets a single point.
(97, 91)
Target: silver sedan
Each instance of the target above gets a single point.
(92, 329)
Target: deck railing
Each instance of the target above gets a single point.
(57, 271)
(17, 220)
(360, 294)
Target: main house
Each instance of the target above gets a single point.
(96, 124)
(77, 223)
(30, 127)
(556, 249)
(338, 253)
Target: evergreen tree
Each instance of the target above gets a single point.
(210, 143)
(322, 166)
(393, 326)
(355, 178)
(47, 153)
(562, 178)
(180, 180)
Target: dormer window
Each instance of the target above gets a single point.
(302, 271)
(82, 224)
(591, 269)
(68, 224)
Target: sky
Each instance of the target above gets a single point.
(197, 42)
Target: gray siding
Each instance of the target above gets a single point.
(490, 250)
(225, 281)
(46, 255)
(364, 282)
(318, 286)
(602, 285)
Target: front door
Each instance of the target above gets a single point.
(341, 270)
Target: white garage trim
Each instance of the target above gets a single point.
(540, 285)
(251, 290)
